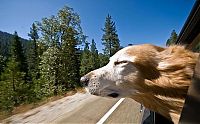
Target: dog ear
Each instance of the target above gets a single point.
(147, 69)
(146, 60)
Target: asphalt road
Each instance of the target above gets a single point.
(127, 112)
(81, 108)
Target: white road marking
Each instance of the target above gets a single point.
(103, 119)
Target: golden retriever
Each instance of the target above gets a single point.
(154, 76)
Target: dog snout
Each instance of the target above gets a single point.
(84, 80)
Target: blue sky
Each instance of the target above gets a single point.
(137, 21)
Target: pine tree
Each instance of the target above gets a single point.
(172, 39)
(85, 60)
(33, 64)
(33, 58)
(89, 58)
(12, 85)
(17, 55)
(110, 37)
(17, 52)
(94, 57)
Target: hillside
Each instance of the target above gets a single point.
(5, 42)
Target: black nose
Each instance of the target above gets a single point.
(84, 80)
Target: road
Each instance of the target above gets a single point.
(82, 108)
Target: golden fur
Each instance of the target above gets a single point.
(168, 88)
(159, 76)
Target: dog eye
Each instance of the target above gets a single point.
(120, 62)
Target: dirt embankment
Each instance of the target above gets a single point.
(27, 107)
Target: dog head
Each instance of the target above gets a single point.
(127, 68)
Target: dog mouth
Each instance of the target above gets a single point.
(113, 95)
(99, 92)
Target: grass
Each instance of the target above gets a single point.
(26, 107)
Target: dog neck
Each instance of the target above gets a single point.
(166, 94)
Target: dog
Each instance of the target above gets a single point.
(154, 76)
